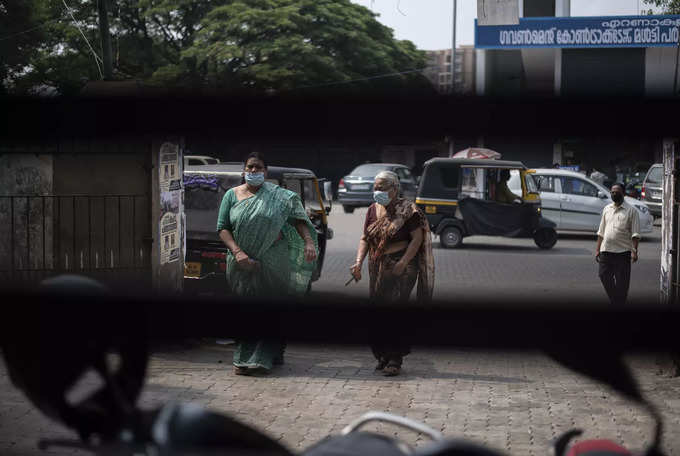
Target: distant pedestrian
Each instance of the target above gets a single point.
(617, 245)
(397, 240)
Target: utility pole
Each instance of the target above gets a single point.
(106, 39)
(453, 50)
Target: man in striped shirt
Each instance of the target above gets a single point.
(617, 245)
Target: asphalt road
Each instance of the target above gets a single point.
(500, 269)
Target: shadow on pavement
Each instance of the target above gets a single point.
(529, 248)
(313, 363)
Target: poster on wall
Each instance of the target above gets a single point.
(169, 168)
(171, 234)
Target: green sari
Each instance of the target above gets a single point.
(263, 227)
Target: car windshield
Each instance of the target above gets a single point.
(368, 170)
(655, 175)
(514, 181)
(530, 183)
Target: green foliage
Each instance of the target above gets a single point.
(666, 6)
(21, 31)
(257, 45)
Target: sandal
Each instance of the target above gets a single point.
(392, 369)
(241, 370)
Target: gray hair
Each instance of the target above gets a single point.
(390, 177)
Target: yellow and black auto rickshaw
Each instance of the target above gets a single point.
(205, 264)
(466, 197)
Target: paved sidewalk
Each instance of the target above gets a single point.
(511, 401)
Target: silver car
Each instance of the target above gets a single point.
(575, 202)
(652, 189)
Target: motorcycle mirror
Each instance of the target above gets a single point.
(608, 367)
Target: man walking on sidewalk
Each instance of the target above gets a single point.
(617, 245)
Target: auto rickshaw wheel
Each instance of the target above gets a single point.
(545, 238)
(451, 237)
(348, 209)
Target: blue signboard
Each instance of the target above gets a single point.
(581, 32)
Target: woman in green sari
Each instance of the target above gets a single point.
(272, 251)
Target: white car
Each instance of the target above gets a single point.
(575, 202)
(198, 160)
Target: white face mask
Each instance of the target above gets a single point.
(382, 197)
(254, 179)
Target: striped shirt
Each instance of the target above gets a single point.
(618, 226)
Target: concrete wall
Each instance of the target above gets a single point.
(55, 231)
(25, 174)
(504, 72)
(603, 72)
(97, 167)
(24, 220)
(660, 70)
(538, 8)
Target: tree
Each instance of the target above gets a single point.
(289, 44)
(21, 25)
(667, 6)
(236, 44)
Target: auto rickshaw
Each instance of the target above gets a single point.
(204, 187)
(459, 198)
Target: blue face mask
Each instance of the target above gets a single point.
(381, 197)
(255, 179)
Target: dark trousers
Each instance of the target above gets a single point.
(615, 275)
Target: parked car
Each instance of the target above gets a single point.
(198, 160)
(205, 186)
(356, 188)
(652, 189)
(575, 202)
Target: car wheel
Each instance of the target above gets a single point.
(348, 209)
(545, 238)
(451, 237)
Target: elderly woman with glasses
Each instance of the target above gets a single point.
(397, 240)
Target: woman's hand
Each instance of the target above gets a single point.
(355, 270)
(243, 261)
(399, 268)
(310, 251)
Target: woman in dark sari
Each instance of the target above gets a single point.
(399, 246)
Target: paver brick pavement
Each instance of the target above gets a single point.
(518, 402)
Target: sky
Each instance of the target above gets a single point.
(429, 23)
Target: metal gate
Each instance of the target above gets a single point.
(106, 237)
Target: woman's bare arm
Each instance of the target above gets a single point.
(303, 231)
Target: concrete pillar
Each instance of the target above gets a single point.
(660, 63)
(562, 8)
(480, 72)
(558, 72)
(557, 153)
(167, 204)
(669, 225)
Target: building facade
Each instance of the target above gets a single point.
(439, 70)
(535, 48)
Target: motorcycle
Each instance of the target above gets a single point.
(109, 422)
